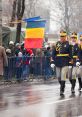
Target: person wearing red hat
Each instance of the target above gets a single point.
(29, 51)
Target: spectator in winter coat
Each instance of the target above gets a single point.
(3, 60)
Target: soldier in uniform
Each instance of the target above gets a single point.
(80, 67)
(74, 48)
(61, 56)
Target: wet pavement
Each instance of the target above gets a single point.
(43, 100)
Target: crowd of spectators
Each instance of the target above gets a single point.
(23, 62)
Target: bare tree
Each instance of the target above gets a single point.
(13, 10)
(62, 16)
(19, 14)
(66, 13)
(13, 13)
(6, 11)
(30, 10)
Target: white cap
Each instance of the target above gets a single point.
(11, 43)
(17, 44)
(20, 54)
(8, 51)
(22, 43)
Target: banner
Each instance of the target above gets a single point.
(34, 34)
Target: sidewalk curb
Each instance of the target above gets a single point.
(31, 82)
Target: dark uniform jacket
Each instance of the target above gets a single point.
(61, 54)
(80, 54)
(74, 49)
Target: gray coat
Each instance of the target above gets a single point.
(3, 59)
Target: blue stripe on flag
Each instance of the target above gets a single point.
(32, 19)
(36, 24)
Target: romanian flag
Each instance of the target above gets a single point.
(34, 34)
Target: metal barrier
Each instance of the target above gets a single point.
(24, 68)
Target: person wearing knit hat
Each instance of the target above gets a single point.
(20, 54)
(11, 43)
(8, 52)
(12, 48)
(17, 48)
(19, 61)
(18, 44)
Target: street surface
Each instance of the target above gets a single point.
(40, 100)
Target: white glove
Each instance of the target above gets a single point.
(52, 65)
(77, 64)
(70, 67)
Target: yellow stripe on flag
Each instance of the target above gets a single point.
(34, 33)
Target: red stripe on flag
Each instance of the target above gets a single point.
(33, 43)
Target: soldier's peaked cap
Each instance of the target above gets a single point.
(81, 36)
(74, 35)
(63, 33)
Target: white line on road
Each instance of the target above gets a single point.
(59, 101)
